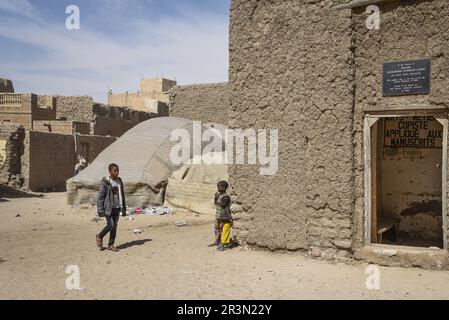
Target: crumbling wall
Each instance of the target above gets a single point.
(76, 108)
(121, 113)
(11, 153)
(46, 101)
(291, 69)
(202, 102)
(110, 127)
(52, 157)
(18, 109)
(6, 86)
(62, 127)
(408, 31)
(95, 145)
(124, 99)
(150, 89)
(106, 120)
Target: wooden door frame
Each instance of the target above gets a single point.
(369, 121)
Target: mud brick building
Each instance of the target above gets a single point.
(362, 115)
(201, 102)
(42, 137)
(153, 96)
(24, 109)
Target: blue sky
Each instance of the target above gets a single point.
(120, 42)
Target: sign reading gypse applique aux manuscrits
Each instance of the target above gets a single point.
(406, 78)
(413, 132)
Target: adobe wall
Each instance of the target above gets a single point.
(52, 158)
(110, 127)
(150, 89)
(313, 72)
(62, 127)
(6, 86)
(17, 108)
(159, 85)
(76, 108)
(11, 155)
(123, 99)
(291, 68)
(104, 118)
(121, 113)
(96, 145)
(43, 113)
(46, 101)
(408, 31)
(201, 102)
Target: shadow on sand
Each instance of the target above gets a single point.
(11, 193)
(133, 243)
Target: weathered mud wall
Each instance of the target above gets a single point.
(76, 108)
(11, 155)
(52, 160)
(110, 127)
(52, 157)
(408, 31)
(106, 120)
(62, 127)
(291, 68)
(203, 102)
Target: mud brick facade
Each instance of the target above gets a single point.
(201, 102)
(62, 127)
(153, 92)
(12, 159)
(41, 136)
(24, 109)
(313, 70)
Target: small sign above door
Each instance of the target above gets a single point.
(406, 78)
(413, 132)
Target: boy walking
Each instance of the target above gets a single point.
(110, 202)
(223, 218)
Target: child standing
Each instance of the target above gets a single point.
(223, 218)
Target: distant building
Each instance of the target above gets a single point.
(42, 137)
(153, 96)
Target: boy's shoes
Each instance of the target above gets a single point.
(213, 244)
(99, 241)
(113, 249)
(222, 247)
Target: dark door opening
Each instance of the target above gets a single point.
(406, 181)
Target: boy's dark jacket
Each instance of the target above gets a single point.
(225, 203)
(105, 198)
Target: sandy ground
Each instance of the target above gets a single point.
(40, 237)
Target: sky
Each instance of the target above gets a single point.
(119, 42)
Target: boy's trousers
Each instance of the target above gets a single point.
(111, 226)
(226, 233)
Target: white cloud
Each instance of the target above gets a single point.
(19, 7)
(194, 50)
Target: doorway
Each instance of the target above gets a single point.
(405, 180)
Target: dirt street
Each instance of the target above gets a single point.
(41, 236)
